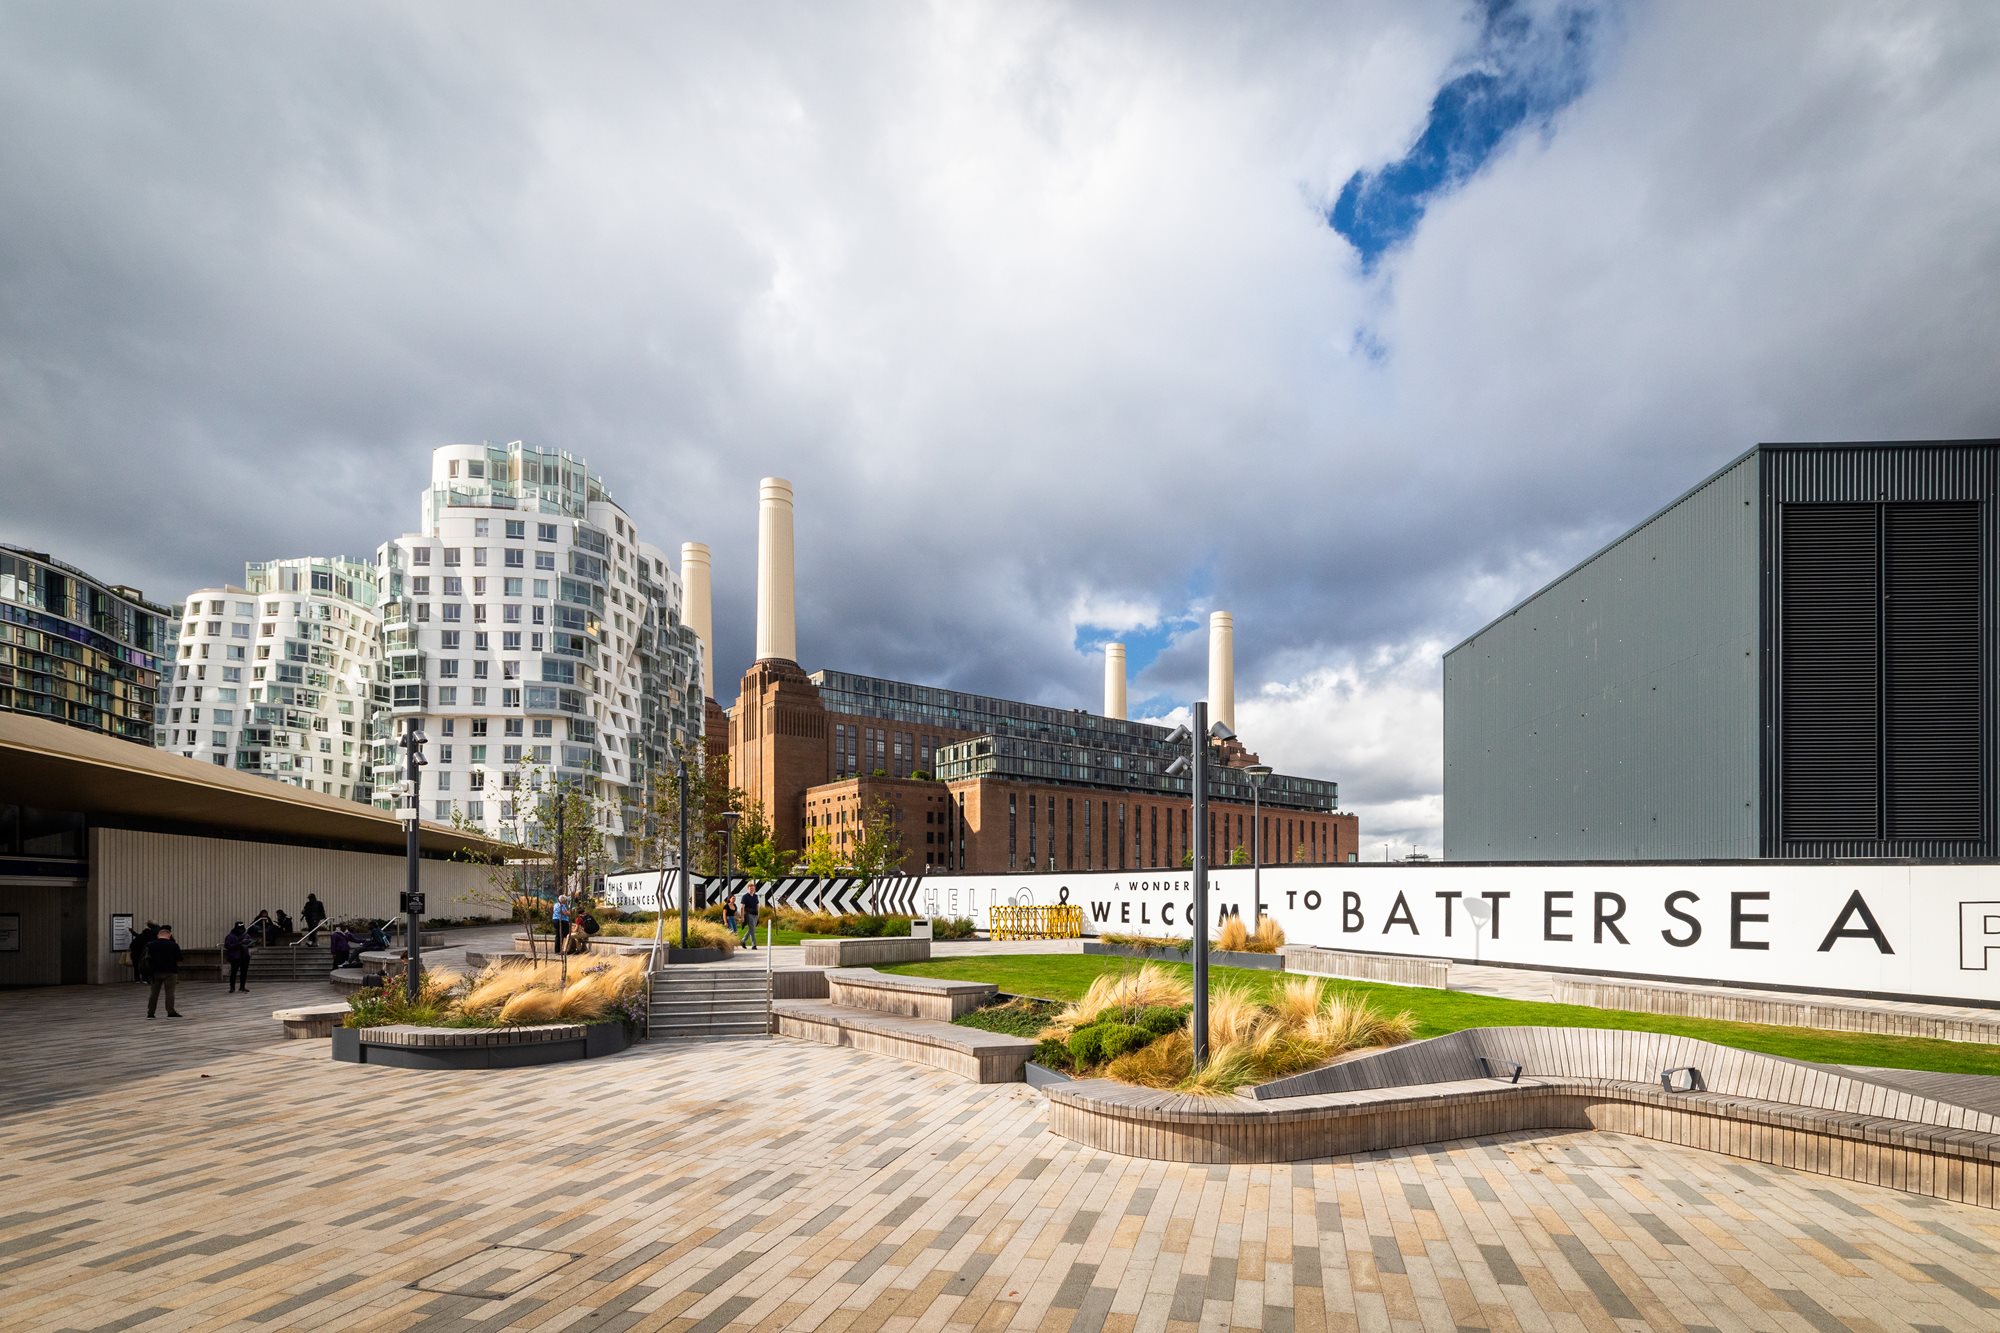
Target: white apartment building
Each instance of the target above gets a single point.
(279, 676)
(527, 625)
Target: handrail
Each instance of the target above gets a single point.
(769, 921)
(309, 934)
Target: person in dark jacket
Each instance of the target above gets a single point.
(262, 927)
(236, 953)
(750, 905)
(313, 912)
(142, 966)
(378, 939)
(343, 944)
(164, 958)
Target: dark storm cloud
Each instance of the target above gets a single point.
(1037, 307)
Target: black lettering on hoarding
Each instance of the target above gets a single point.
(1869, 929)
(1493, 897)
(1400, 914)
(1350, 912)
(1609, 920)
(1312, 900)
(1124, 914)
(1291, 899)
(1100, 911)
(1738, 918)
(1228, 910)
(1550, 912)
(1167, 914)
(1448, 897)
(1673, 910)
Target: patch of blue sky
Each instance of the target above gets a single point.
(1143, 645)
(1532, 60)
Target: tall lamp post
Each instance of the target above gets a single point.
(1257, 773)
(1197, 772)
(729, 818)
(686, 866)
(413, 898)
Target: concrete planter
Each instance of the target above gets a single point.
(479, 1048)
(1268, 962)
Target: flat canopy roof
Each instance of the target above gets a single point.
(51, 766)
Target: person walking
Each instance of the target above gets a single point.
(236, 952)
(559, 921)
(750, 916)
(163, 957)
(313, 912)
(729, 912)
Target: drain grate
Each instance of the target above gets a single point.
(494, 1273)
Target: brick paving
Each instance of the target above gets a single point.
(206, 1174)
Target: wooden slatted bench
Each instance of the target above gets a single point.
(983, 1057)
(914, 997)
(1762, 1108)
(866, 952)
(310, 1020)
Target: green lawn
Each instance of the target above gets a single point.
(1065, 976)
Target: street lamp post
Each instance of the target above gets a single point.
(729, 818)
(1197, 772)
(1257, 773)
(413, 898)
(686, 866)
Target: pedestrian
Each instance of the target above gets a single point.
(342, 943)
(559, 920)
(261, 926)
(729, 912)
(284, 923)
(236, 952)
(378, 939)
(163, 958)
(313, 912)
(750, 916)
(142, 966)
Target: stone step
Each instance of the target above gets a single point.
(758, 1029)
(676, 1015)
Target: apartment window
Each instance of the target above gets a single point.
(448, 668)
(479, 613)
(479, 555)
(448, 640)
(448, 696)
(1086, 835)
(454, 586)
(510, 641)
(515, 559)
(481, 527)
(510, 587)
(444, 781)
(541, 587)
(478, 726)
(510, 698)
(444, 754)
(479, 696)
(1012, 859)
(516, 529)
(511, 613)
(442, 811)
(1034, 862)
(544, 726)
(545, 532)
(512, 726)
(479, 666)
(450, 727)
(451, 557)
(480, 641)
(510, 754)
(545, 560)
(479, 587)
(1153, 850)
(420, 555)
(420, 586)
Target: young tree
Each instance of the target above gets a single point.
(821, 858)
(878, 851)
(708, 796)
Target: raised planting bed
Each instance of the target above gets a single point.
(1268, 962)
(407, 1047)
(913, 997)
(866, 952)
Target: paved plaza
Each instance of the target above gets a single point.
(203, 1173)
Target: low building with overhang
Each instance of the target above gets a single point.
(98, 835)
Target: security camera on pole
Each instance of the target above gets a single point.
(413, 897)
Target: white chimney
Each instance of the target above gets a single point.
(1222, 668)
(698, 609)
(777, 625)
(1114, 680)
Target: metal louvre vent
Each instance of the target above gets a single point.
(1931, 636)
(1829, 650)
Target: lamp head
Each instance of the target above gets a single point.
(1178, 767)
(1179, 736)
(1221, 732)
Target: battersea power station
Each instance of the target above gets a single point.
(977, 784)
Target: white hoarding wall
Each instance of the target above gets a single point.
(1928, 931)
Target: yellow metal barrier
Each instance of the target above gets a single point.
(1061, 922)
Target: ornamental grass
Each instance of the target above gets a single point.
(532, 1006)
(1149, 986)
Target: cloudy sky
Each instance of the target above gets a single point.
(1360, 321)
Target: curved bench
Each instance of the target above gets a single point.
(866, 951)
(983, 1057)
(914, 997)
(1762, 1108)
(310, 1020)
(411, 1047)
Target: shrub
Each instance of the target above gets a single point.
(1180, 943)
(866, 925)
(1160, 1019)
(1122, 1039)
(952, 928)
(1053, 1054)
(1017, 1017)
(1086, 1047)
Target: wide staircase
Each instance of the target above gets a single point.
(710, 1001)
(280, 962)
